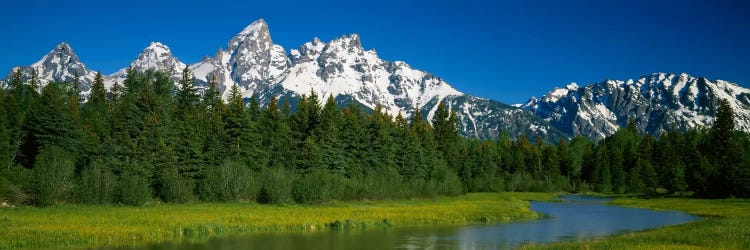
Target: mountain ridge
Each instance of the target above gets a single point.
(657, 102)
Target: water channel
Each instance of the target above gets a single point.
(574, 218)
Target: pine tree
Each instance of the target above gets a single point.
(235, 119)
(381, 155)
(604, 171)
(355, 140)
(446, 135)
(15, 109)
(328, 135)
(722, 130)
(34, 84)
(95, 115)
(617, 170)
(240, 129)
(189, 143)
(116, 94)
(425, 138)
(48, 124)
(253, 109)
(187, 96)
(276, 136)
(98, 96)
(307, 116)
(6, 142)
(16, 83)
(303, 122)
(212, 109)
(724, 152)
(76, 85)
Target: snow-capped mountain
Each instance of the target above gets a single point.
(341, 68)
(156, 56)
(656, 102)
(59, 65)
(251, 61)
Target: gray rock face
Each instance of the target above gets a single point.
(656, 102)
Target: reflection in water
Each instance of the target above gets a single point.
(577, 217)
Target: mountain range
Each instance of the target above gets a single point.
(656, 102)
(343, 69)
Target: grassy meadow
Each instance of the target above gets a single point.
(726, 226)
(78, 226)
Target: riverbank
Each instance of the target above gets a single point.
(725, 227)
(75, 226)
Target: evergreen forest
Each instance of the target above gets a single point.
(148, 140)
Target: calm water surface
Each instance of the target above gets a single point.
(576, 217)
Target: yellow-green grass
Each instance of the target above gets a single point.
(726, 226)
(78, 226)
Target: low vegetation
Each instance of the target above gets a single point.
(725, 227)
(96, 226)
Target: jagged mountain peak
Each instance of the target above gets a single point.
(156, 56)
(258, 26)
(158, 47)
(63, 54)
(254, 37)
(61, 64)
(251, 60)
(64, 47)
(349, 41)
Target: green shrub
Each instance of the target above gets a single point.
(377, 184)
(133, 189)
(318, 186)
(231, 181)
(15, 183)
(53, 173)
(446, 182)
(173, 187)
(96, 184)
(276, 186)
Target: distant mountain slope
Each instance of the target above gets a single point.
(656, 102)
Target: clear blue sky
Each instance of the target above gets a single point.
(506, 51)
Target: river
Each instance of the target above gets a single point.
(574, 218)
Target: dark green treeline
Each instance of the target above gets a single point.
(148, 140)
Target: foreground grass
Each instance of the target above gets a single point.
(96, 226)
(727, 226)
